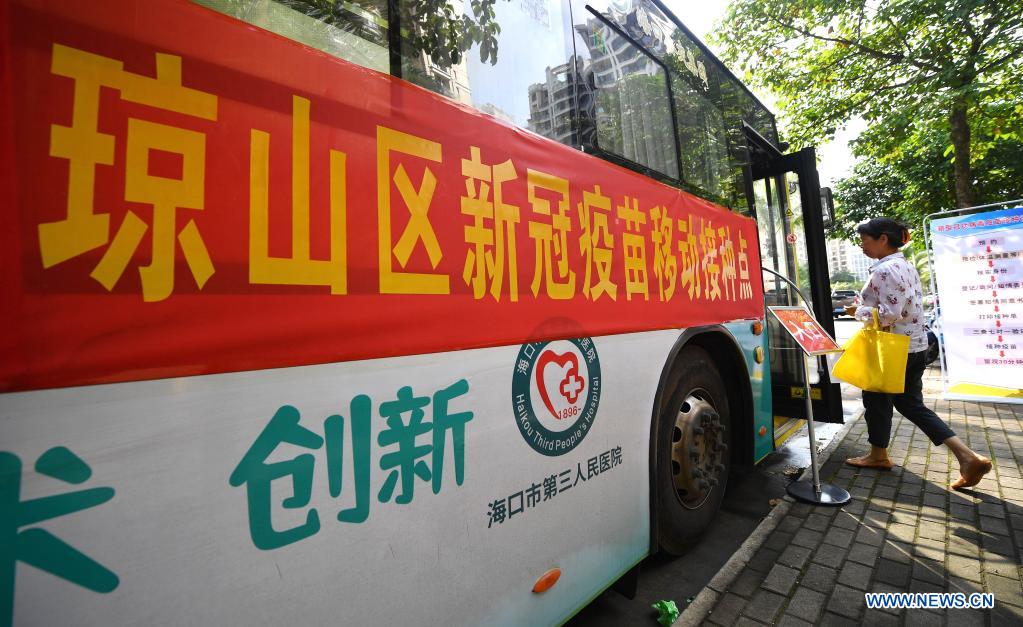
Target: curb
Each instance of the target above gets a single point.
(697, 611)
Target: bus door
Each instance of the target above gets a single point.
(790, 218)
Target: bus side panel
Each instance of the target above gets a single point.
(760, 384)
(216, 499)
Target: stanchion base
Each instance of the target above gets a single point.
(830, 495)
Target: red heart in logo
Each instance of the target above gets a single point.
(569, 388)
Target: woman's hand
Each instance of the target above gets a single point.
(850, 310)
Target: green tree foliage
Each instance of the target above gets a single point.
(845, 280)
(430, 26)
(904, 171)
(941, 74)
(918, 257)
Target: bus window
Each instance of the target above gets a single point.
(531, 84)
(632, 111)
(702, 139)
(709, 122)
(353, 31)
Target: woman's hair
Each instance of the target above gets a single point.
(876, 227)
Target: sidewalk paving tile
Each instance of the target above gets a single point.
(819, 578)
(806, 604)
(1006, 590)
(794, 556)
(807, 538)
(779, 540)
(894, 573)
(871, 536)
(840, 537)
(846, 601)
(855, 575)
(747, 583)
(787, 620)
(904, 531)
(875, 618)
(994, 525)
(728, 608)
(780, 579)
(923, 618)
(764, 559)
(817, 522)
(843, 522)
(899, 552)
(764, 606)
(864, 553)
(1006, 615)
(834, 620)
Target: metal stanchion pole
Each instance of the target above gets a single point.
(813, 491)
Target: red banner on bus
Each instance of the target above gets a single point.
(183, 197)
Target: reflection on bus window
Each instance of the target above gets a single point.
(702, 140)
(631, 110)
(710, 105)
(352, 30)
(531, 84)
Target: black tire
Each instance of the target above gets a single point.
(693, 419)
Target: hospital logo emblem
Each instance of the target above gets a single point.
(555, 393)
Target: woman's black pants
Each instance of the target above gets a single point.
(878, 408)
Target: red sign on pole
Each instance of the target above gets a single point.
(805, 330)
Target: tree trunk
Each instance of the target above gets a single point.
(961, 145)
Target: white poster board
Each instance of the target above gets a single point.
(978, 264)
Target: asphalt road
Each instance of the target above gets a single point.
(747, 502)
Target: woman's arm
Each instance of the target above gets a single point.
(881, 294)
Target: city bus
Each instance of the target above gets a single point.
(328, 312)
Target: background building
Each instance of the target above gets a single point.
(846, 256)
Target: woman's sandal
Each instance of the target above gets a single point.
(865, 462)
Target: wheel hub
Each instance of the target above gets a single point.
(698, 445)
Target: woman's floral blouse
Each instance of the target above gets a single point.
(894, 291)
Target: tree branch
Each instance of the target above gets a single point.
(878, 54)
(899, 34)
(988, 27)
(859, 22)
(852, 103)
(1009, 56)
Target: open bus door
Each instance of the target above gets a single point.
(791, 214)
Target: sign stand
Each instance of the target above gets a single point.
(815, 342)
(814, 491)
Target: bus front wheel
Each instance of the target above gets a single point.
(694, 426)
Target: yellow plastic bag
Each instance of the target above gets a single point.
(874, 360)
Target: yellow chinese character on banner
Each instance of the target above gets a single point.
(712, 269)
(745, 289)
(727, 251)
(84, 147)
(300, 268)
(596, 244)
(634, 249)
(418, 229)
(689, 257)
(550, 237)
(665, 263)
(490, 245)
